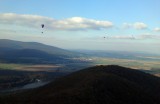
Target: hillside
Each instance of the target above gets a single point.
(6, 44)
(14, 79)
(34, 53)
(95, 85)
(30, 56)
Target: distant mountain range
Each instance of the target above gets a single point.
(121, 54)
(33, 52)
(95, 85)
(12, 51)
(12, 44)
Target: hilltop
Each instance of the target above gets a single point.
(95, 85)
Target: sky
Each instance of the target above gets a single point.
(121, 25)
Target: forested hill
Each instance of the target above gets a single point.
(6, 44)
(95, 85)
(34, 53)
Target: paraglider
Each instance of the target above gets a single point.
(106, 36)
(42, 27)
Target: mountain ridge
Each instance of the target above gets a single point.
(31, 56)
(34, 53)
(14, 44)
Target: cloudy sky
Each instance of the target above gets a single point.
(125, 25)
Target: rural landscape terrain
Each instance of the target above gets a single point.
(23, 63)
(79, 51)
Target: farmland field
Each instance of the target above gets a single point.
(136, 64)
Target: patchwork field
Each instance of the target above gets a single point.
(25, 67)
(136, 64)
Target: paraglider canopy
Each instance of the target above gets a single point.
(42, 25)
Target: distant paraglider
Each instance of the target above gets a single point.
(106, 36)
(42, 27)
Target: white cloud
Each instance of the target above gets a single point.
(136, 25)
(157, 29)
(140, 25)
(7, 31)
(136, 37)
(74, 23)
(145, 36)
(148, 36)
(122, 37)
(116, 37)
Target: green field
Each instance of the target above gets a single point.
(10, 66)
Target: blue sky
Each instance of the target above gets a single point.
(130, 25)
